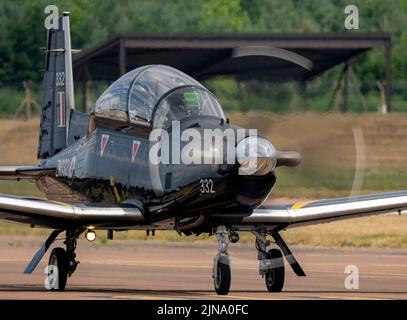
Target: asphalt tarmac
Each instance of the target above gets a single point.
(182, 270)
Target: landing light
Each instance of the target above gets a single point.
(90, 235)
(234, 237)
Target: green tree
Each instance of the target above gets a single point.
(222, 16)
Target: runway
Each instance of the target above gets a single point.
(182, 270)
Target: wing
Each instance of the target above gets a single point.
(24, 172)
(60, 215)
(315, 212)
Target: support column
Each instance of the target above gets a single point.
(122, 57)
(303, 95)
(388, 77)
(345, 107)
(243, 96)
(87, 87)
(27, 87)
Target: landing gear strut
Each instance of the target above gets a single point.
(62, 263)
(221, 263)
(271, 262)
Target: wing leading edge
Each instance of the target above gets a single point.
(321, 211)
(24, 172)
(54, 214)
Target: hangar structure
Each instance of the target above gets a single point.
(244, 55)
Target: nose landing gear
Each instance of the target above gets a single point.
(221, 263)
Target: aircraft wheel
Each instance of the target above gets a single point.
(57, 269)
(275, 275)
(222, 279)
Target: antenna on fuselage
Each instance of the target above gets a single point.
(69, 87)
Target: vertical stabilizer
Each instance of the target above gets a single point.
(58, 100)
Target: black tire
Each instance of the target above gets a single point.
(275, 276)
(223, 279)
(58, 258)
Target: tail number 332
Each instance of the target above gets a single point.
(207, 186)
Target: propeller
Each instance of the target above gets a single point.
(288, 159)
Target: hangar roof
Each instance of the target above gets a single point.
(259, 56)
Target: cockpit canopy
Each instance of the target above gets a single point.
(135, 97)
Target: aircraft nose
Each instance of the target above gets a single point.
(256, 156)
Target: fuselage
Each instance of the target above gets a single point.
(110, 166)
(106, 157)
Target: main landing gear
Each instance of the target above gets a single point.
(271, 262)
(62, 263)
(57, 270)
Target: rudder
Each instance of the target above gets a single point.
(58, 99)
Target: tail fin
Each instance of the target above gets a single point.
(58, 98)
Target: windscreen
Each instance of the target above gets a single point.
(186, 102)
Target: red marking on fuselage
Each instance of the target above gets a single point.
(134, 150)
(103, 143)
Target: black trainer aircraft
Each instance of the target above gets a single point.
(97, 174)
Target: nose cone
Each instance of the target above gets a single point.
(256, 156)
